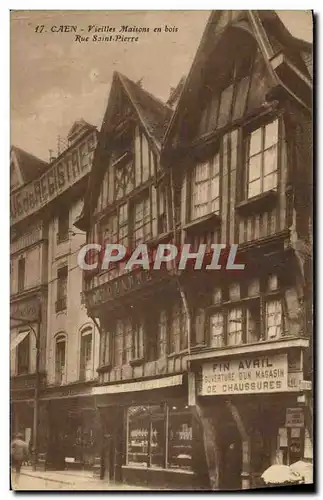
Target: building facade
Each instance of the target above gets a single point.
(28, 298)
(45, 275)
(205, 376)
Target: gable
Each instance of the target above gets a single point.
(15, 176)
(269, 37)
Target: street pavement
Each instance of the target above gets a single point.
(54, 481)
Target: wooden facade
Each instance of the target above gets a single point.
(230, 165)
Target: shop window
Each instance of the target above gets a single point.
(63, 226)
(21, 274)
(86, 354)
(23, 356)
(235, 327)
(274, 319)
(216, 330)
(206, 188)
(262, 159)
(180, 439)
(153, 444)
(60, 359)
(61, 302)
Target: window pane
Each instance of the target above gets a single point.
(235, 327)
(270, 181)
(255, 142)
(270, 160)
(180, 439)
(254, 168)
(157, 443)
(138, 434)
(201, 172)
(271, 134)
(216, 326)
(215, 188)
(274, 319)
(254, 188)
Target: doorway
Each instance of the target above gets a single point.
(231, 457)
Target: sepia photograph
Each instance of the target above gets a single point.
(161, 250)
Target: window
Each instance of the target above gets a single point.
(217, 330)
(178, 329)
(142, 223)
(206, 188)
(162, 214)
(151, 443)
(143, 159)
(163, 323)
(105, 351)
(21, 274)
(60, 354)
(63, 226)
(86, 354)
(235, 327)
(274, 321)
(61, 302)
(23, 356)
(123, 224)
(262, 159)
(128, 341)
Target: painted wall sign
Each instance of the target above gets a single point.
(56, 180)
(262, 374)
(142, 385)
(25, 311)
(122, 285)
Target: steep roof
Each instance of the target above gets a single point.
(271, 35)
(30, 166)
(153, 113)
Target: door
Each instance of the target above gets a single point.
(231, 458)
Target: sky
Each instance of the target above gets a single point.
(55, 80)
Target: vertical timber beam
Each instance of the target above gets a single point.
(246, 448)
(210, 446)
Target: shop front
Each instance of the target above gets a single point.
(71, 440)
(258, 415)
(149, 433)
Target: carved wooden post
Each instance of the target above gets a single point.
(246, 448)
(210, 446)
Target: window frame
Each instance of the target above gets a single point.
(60, 374)
(247, 134)
(214, 171)
(21, 274)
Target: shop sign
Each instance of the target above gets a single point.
(142, 385)
(57, 179)
(296, 382)
(26, 311)
(122, 285)
(294, 417)
(262, 374)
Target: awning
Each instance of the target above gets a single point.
(16, 341)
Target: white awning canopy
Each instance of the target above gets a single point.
(19, 338)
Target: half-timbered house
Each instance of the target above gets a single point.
(142, 395)
(238, 155)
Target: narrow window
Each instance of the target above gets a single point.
(86, 354)
(21, 274)
(60, 359)
(63, 226)
(61, 302)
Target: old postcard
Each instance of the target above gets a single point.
(161, 250)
